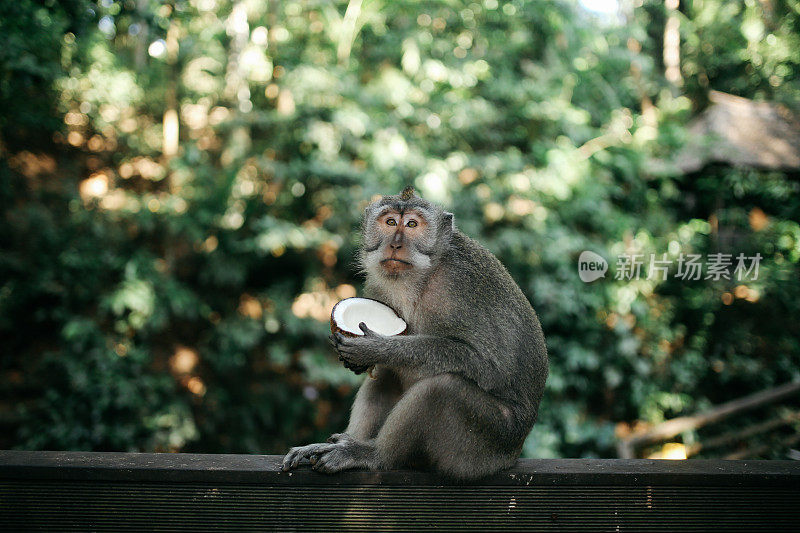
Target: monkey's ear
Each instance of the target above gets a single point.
(448, 224)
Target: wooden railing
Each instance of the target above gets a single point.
(68, 491)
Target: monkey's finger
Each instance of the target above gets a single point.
(368, 332)
(301, 454)
(331, 463)
(321, 451)
(297, 454)
(321, 465)
(352, 362)
(347, 341)
(296, 460)
(349, 352)
(290, 457)
(290, 460)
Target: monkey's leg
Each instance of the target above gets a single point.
(374, 400)
(445, 421)
(355, 447)
(456, 427)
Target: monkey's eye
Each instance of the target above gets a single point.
(412, 224)
(391, 222)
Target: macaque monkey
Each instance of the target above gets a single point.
(460, 391)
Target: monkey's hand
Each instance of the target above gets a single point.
(340, 452)
(358, 353)
(310, 452)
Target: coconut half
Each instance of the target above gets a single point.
(379, 317)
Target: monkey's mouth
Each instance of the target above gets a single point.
(394, 265)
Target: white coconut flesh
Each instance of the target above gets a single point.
(378, 317)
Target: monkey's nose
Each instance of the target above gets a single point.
(396, 245)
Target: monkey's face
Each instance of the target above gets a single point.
(403, 236)
(400, 231)
(398, 242)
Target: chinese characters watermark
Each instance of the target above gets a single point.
(691, 267)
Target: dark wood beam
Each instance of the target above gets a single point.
(85, 491)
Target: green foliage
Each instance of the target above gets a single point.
(30, 61)
(153, 299)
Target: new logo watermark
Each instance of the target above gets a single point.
(591, 266)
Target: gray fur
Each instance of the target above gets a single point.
(460, 392)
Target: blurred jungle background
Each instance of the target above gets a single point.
(181, 184)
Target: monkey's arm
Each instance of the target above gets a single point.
(430, 354)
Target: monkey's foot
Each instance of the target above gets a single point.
(347, 453)
(299, 453)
